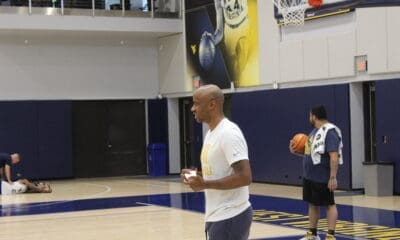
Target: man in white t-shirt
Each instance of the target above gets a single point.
(226, 171)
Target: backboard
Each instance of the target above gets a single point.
(328, 8)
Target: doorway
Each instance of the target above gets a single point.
(369, 121)
(109, 138)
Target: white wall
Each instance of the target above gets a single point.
(174, 136)
(269, 37)
(62, 65)
(393, 36)
(357, 133)
(171, 65)
(321, 52)
(372, 38)
(321, 49)
(144, 25)
(378, 37)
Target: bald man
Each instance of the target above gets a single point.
(226, 172)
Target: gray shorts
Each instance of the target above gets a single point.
(236, 228)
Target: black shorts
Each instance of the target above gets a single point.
(236, 228)
(317, 194)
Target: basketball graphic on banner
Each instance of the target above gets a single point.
(206, 51)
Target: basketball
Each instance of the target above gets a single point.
(315, 3)
(299, 142)
(206, 51)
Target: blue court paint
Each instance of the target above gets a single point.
(296, 238)
(371, 216)
(195, 202)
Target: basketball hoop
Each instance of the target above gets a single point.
(292, 11)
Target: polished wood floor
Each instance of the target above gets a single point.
(138, 222)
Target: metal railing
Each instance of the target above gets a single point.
(129, 8)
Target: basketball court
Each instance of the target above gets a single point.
(163, 208)
(116, 206)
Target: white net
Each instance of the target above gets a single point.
(292, 11)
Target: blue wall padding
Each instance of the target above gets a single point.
(387, 124)
(270, 118)
(158, 121)
(54, 139)
(41, 132)
(158, 124)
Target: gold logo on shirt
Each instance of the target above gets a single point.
(206, 169)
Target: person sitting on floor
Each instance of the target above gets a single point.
(24, 186)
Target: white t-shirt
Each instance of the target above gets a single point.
(222, 147)
(16, 187)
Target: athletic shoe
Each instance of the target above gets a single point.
(310, 236)
(330, 237)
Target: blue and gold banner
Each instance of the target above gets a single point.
(222, 43)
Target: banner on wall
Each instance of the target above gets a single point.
(222, 43)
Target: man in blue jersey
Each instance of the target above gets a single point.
(6, 160)
(322, 156)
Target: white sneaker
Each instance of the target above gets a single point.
(330, 237)
(310, 236)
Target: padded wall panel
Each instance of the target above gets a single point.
(54, 139)
(40, 132)
(279, 115)
(18, 133)
(158, 121)
(387, 120)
